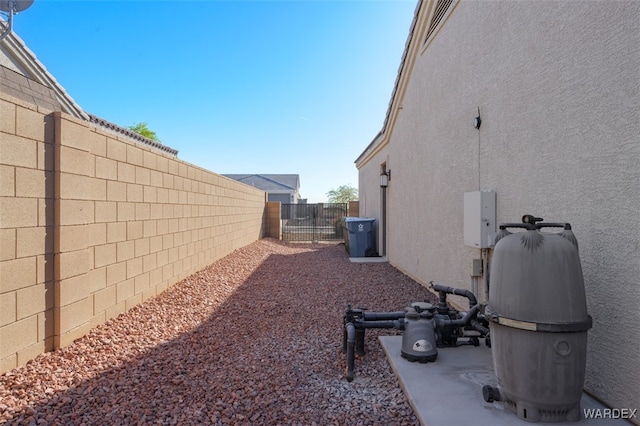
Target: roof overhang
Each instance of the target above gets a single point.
(413, 46)
(27, 61)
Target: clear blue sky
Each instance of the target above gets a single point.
(235, 86)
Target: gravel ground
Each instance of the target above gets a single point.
(255, 338)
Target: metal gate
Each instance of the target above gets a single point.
(313, 222)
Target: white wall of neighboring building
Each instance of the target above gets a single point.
(558, 88)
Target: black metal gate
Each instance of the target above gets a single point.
(313, 222)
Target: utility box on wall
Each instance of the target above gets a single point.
(479, 218)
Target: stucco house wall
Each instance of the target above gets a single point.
(370, 196)
(557, 85)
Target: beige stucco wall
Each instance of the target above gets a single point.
(92, 224)
(370, 194)
(557, 84)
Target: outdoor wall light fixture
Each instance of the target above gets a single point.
(385, 177)
(477, 121)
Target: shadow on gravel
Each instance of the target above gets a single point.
(266, 350)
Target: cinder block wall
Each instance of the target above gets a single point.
(26, 232)
(93, 224)
(273, 222)
(354, 208)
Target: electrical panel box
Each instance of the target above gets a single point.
(476, 268)
(479, 218)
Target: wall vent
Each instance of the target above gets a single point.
(441, 9)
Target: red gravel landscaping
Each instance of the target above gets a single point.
(253, 339)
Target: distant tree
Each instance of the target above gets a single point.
(343, 194)
(143, 130)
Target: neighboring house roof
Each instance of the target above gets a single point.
(20, 69)
(269, 182)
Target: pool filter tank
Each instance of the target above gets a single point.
(539, 322)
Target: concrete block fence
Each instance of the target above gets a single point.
(92, 224)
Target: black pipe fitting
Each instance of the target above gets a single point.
(479, 327)
(530, 222)
(382, 316)
(448, 323)
(398, 324)
(491, 393)
(462, 322)
(444, 290)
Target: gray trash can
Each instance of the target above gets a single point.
(359, 238)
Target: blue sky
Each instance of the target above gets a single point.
(235, 86)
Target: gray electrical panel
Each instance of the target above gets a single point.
(476, 268)
(479, 218)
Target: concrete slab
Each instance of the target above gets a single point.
(449, 390)
(381, 259)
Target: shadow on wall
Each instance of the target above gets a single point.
(49, 219)
(255, 338)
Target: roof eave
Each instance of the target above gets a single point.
(382, 137)
(38, 72)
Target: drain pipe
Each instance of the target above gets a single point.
(354, 332)
(351, 345)
(363, 320)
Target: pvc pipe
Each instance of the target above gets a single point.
(459, 322)
(351, 356)
(457, 291)
(378, 316)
